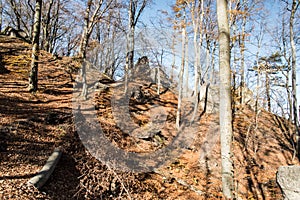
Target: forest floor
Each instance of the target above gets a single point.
(32, 125)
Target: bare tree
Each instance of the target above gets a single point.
(259, 38)
(225, 103)
(20, 14)
(53, 23)
(135, 9)
(180, 13)
(197, 13)
(33, 75)
(180, 84)
(134, 13)
(90, 20)
(295, 5)
(46, 23)
(280, 37)
(242, 49)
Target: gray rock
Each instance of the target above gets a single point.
(209, 98)
(288, 178)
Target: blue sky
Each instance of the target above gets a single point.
(152, 13)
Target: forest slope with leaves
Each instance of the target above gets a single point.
(32, 125)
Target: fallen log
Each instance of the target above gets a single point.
(42, 176)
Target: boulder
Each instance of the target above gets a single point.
(12, 32)
(248, 97)
(209, 98)
(288, 178)
(151, 75)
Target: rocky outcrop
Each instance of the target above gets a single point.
(288, 178)
(12, 32)
(209, 98)
(155, 75)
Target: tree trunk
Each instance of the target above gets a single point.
(180, 84)
(268, 90)
(294, 73)
(173, 58)
(47, 28)
(287, 75)
(82, 48)
(212, 54)
(130, 43)
(1, 12)
(225, 103)
(288, 92)
(133, 16)
(259, 44)
(197, 19)
(234, 66)
(33, 75)
(158, 80)
(16, 13)
(130, 47)
(85, 38)
(242, 51)
(186, 67)
(196, 72)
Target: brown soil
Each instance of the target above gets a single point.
(32, 125)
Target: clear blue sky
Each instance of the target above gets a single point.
(152, 13)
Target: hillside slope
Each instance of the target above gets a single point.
(32, 125)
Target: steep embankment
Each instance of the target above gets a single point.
(32, 125)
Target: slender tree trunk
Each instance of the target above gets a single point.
(197, 19)
(207, 61)
(1, 13)
(130, 43)
(85, 34)
(242, 52)
(259, 44)
(186, 67)
(16, 13)
(33, 75)
(257, 91)
(173, 59)
(112, 55)
(294, 73)
(180, 85)
(47, 28)
(287, 75)
(82, 48)
(225, 96)
(288, 92)
(234, 65)
(268, 90)
(196, 73)
(130, 53)
(54, 35)
(213, 78)
(158, 80)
